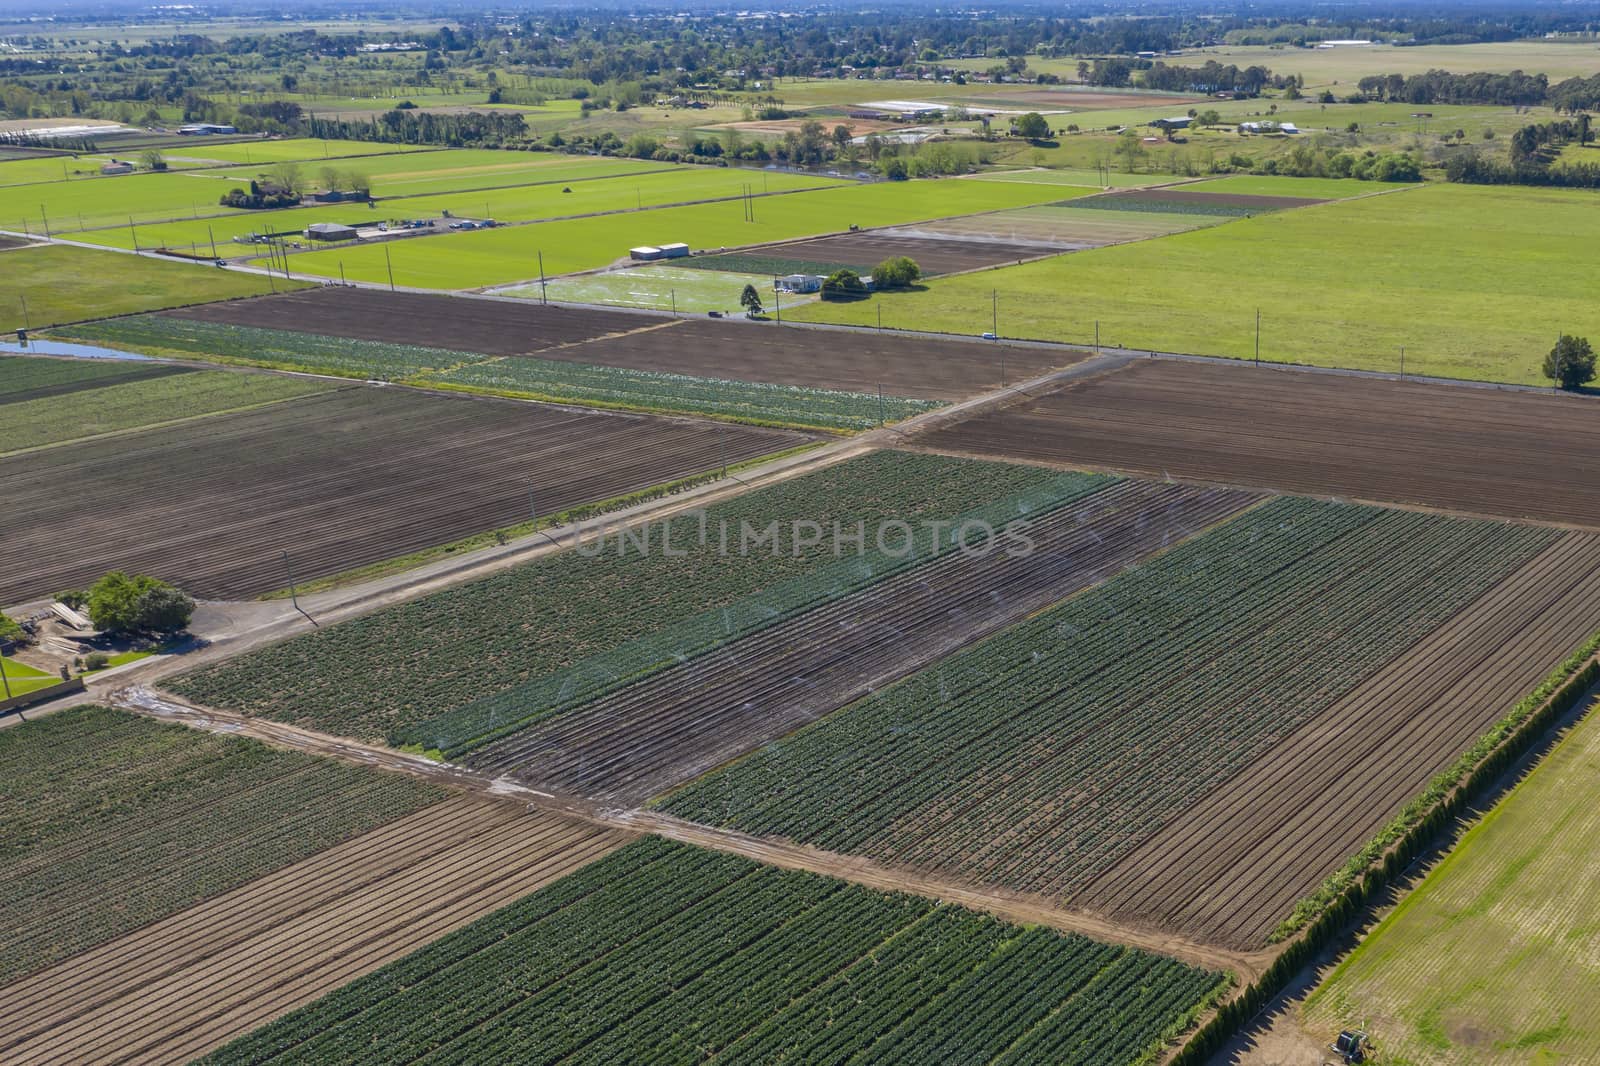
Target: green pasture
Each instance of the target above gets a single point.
(511, 254)
(1491, 960)
(22, 678)
(1475, 282)
(66, 284)
(415, 174)
(293, 149)
(658, 288)
(66, 206)
(666, 184)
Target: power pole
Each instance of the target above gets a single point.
(880, 403)
(1258, 336)
(3, 678)
(390, 264)
(46, 219)
(25, 323)
(213, 237)
(1402, 360)
(994, 311)
(1097, 338)
(544, 293)
(674, 294)
(293, 598)
(341, 273)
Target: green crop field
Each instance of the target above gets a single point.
(655, 288)
(129, 405)
(65, 284)
(1491, 959)
(665, 954)
(503, 256)
(1475, 282)
(353, 679)
(293, 149)
(153, 818)
(24, 373)
(1017, 762)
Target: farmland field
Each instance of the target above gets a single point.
(1462, 449)
(352, 679)
(652, 288)
(637, 741)
(1085, 729)
(708, 954)
(114, 821)
(412, 471)
(183, 985)
(1067, 176)
(1477, 259)
(863, 251)
(940, 369)
(1191, 201)
(32, 377)
(121, 405)
(503, 256)
(1055, 227)
(63, 284)
(1490, 959)
(562, 381)
(493, 327)
(1314, 188)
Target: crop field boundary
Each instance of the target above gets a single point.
(1014, 907)
(166, 424)
(1454, 796)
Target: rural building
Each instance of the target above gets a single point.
(205, 128)
(330, 231)
(801, 283)
(645, 252)
(116, 167)
(1181, 122)
(674, 251)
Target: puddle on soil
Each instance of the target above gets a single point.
(84, 351)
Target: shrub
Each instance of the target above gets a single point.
(119, 603)
(843, 284)
(96, 660)
(9, 630)
(896, 272)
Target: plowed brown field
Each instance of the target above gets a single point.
(1482, 451)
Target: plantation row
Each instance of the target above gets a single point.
(655, 390)
(1041, 756)
(109, 821)
(544, 379)
(24, 374)
(360, 678)
(663, 953)
(129, 404)
(776, 265)
(483, 721)
(1219, 208)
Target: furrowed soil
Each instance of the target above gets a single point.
(338, 480)
(189, 983)
(1481, 451)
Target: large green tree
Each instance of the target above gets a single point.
(1033, 126)
(1570, 363)
(896, 272)
(124, 603)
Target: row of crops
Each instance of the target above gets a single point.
(774, 265)
(1145, 202)
(410, 662)
(19, 374)
(663, 953)
(1039, 757)
(122, 404)
(109, 821)
(483, 721)
(542, 379)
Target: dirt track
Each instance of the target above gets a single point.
(339, 479)
(189, 983)
(1231, 867)
(687, 720)
(1481, 451)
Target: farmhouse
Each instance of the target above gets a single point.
(801, 283)
(116, 166)
(645, 253)
(200, 129)
(330, 231)
(1180, 122)
(674, 251)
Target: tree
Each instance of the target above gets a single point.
(153, 160)
(896, 272)
(843, 284)
(1033, 126)
(287, 176)
(750, 300)
(1570, 363)
(120, 603)
(9, 629)
(1209, 117)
